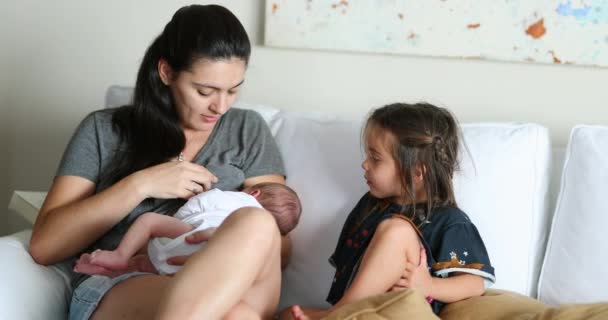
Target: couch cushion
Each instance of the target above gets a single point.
(502, 186)
(575, 265)
(29, 290)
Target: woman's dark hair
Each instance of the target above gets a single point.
(150, 129)
(422, 136)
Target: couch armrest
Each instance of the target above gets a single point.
(29, 290)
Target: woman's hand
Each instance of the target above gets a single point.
(416, 276)
(194, 238)
(174, 179)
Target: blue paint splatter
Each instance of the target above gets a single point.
(566, 9)
(593, 12)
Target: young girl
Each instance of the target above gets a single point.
(407, 231)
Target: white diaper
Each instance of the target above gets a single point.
(161, 249)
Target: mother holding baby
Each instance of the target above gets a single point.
(118, 165)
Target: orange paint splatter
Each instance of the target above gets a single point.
(473, 25)
(275, 7)
(342, 3)
(537, 30)
(555, 58)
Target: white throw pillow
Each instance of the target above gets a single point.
(504, 190)
(504, 193)
(575, 267)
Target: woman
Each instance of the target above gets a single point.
(179, 138)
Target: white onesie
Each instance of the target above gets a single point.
(203, 211)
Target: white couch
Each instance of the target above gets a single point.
(504, 185)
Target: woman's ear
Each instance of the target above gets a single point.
(165, 72)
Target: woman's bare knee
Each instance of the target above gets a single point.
(259, 221)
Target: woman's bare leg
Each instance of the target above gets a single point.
(241, 262)
(136, 298)
(242, 311)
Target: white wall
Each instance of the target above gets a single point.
(6, 72)
(68, 52)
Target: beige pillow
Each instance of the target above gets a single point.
(405, 304)
(505, 305)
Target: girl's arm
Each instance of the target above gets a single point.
(456, 288)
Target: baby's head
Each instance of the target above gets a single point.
(281, 201)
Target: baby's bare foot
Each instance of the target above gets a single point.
(110, 260)
(84, 265)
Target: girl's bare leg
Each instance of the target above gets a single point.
(241, 262)
(379, 269)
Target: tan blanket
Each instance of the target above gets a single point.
(495, 304)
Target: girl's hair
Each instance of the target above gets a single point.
(150, 129)
(421, 136)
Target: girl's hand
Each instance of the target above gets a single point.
(174, 179)
(416, 276)
(194, 238)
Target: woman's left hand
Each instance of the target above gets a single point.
(416, 276)
(194, 238)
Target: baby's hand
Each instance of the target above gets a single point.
(194, 238)
(416, 276)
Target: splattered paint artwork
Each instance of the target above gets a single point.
(547, 31)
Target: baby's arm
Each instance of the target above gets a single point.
(147, 226)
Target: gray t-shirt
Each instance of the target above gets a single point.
(240, 146)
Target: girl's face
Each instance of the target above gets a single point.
(381, 172)
(205, 92)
